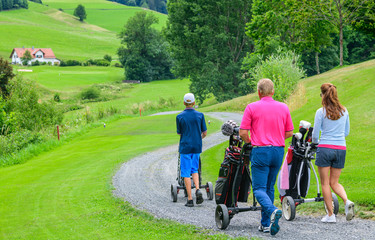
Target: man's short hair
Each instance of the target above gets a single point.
(265, 86)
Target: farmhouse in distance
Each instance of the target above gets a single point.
(37, 54)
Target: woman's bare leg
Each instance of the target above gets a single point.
(326, 190)
(335, 185)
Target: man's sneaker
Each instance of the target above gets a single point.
(189, 203)
(274, 227)
(264, 229)
(329, 219)
(349, 210)
(199, 196)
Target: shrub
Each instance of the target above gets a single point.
(118, 65)
(283, 68)
(107, 58)
(29, 113)
(101, 113)
(73, 107)
(36, 63)
(18, 140)
(88, 116)
(113, 110)
(43, 63)
(97, 62)
(56, 98)
(90, 93)
(68, 63)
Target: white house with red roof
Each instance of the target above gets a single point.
(37, 54)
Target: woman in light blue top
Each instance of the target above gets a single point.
(332, 120)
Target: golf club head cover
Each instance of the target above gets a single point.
(229, 128)
(304, 124)
(309, 135)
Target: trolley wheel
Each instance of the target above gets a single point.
(289, 208)
(222, 216)
(335, 204)
(210, 191)
(174, 192)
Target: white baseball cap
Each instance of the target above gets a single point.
(189, 98)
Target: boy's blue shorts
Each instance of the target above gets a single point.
(189, 164)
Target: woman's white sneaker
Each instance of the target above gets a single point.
(349, 210)
(329, 219)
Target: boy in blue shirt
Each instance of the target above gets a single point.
(191, 127)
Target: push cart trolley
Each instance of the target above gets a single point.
(300, 154)
(175, 188)
(234, 182)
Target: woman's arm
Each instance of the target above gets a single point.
(347, 126)
(317, 125)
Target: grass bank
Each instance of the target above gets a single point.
(66, 193)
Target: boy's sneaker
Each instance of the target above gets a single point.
(274, 227)
(264, 229)
(329, 219)
(349, 210)
(189, 203)
(199, 196)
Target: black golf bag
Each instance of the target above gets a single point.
(234, 182)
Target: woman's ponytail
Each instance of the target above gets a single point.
(330, 101)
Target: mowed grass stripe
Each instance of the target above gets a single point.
(67, 193)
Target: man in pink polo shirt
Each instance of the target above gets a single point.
(269, 123)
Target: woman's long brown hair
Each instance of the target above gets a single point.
(330, 101)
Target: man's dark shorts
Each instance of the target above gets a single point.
(328, 157)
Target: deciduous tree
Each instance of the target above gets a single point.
(208, 43)
(80, 12)
(144, 53)
(26, 57)
(6, 73)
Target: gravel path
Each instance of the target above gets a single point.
(145, 183)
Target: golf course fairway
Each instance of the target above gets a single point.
(66, 193)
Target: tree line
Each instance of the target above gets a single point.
(13, 4)
(218, 44)
(156, 5)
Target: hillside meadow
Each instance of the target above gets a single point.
(47, 27)
(106, 14)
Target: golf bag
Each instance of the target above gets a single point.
(296, 155)
(295, 168)
(234, 182)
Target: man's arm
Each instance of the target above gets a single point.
(244, 134)
(288, 134)
(204, 134)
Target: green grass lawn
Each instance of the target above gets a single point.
(356, 86)
(72, 79)
(106, 14)
(66, 193)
